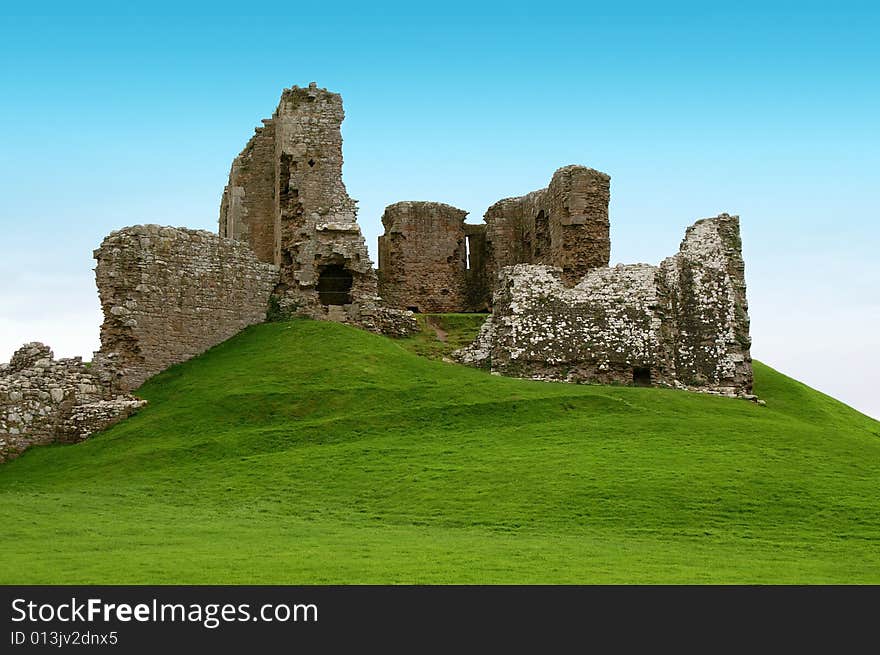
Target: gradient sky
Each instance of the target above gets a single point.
(766, 110)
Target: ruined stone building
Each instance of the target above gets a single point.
(287, 201)
(430, 260)
(681, 324)
(289, 243)
(288, 239)
(540, 262)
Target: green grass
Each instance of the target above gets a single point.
(459, 329)
(307, 452)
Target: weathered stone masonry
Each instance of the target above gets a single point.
(559, 311)
(683, 323)
(169, 294)
(289, 238)
(288, 231)
(564, 225)
(286, 199)
(422, 261)
(44, 400)
(423, 258)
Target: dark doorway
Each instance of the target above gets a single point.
(642, 377)
(334, 285)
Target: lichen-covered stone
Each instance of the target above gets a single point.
(44, 400)
(682, 324)
(707, 295)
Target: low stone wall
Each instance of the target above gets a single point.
(598, 331)
(169, 294)
(682, 324)
(44, 400)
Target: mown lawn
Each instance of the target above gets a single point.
(307, 452)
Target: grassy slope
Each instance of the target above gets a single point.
(310, 452)
(459, 330)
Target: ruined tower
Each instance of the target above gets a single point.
(286, 199)
(564, 225)
(431, 260)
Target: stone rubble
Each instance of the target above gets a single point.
(44, 400)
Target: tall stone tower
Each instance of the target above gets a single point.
(286, 199)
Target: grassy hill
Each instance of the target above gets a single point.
(309, 452)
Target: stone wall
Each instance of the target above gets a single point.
(707, 296)
(422, 261)
(564, 225)
(286, 199)
(682, 324)
(423, 258)
(169, 294)
(44, 400)
(247, 206)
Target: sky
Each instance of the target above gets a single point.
(115, 114)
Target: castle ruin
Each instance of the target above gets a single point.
(559, 312)
(286, 200)
(288, 240)
(430, 260)
(289, 244)
(681, 324)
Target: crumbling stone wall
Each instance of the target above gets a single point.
(421, 254)
(564, 225)
(44, 400)
(286, 188)
(169, 294)
(248, 203)
(707, 296)
(423, 258)
(682, 324)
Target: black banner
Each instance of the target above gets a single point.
(287, 619)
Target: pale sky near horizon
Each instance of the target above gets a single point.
(766, 110)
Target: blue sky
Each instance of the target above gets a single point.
(767, 110)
